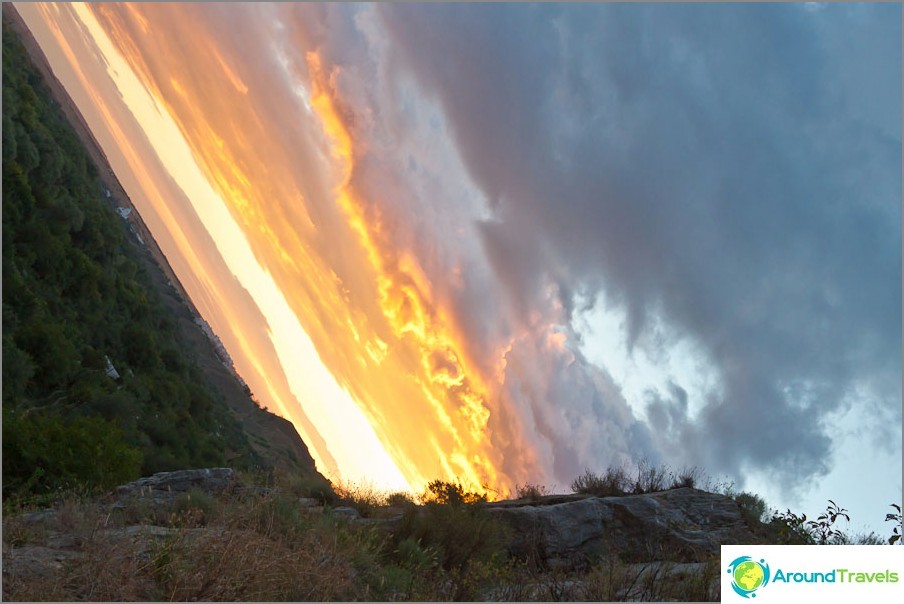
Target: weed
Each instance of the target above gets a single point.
(649, 478)
(823, 528)
(613, 483)
(531, 492)
(896, 518)
(196, 507)
(686, 478)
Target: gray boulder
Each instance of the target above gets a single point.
(164, 487)
(683, 524)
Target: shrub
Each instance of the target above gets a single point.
(687, 478)
(363, 497)
(450, 493)
(753, 508)
(400, 499)
(195, 506)
(43, 454)
(870, 538)
(791, 529)
(823, 528)
(612, 484)
(315, 487)
(458, 533)
(896, 518)
(649, 478)
(531, 491)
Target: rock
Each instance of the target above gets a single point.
(39, 516)
(163, 488)
(680, 524)
(209, 480)
(346, 512)
(34, 561)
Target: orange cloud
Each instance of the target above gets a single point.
(364, 300)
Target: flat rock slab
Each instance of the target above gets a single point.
(210, 480)
(682, 524)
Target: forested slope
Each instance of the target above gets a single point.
(76, 293)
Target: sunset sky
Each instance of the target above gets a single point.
(506, 243)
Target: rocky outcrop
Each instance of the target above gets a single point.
(683, 524)
(209, 480)
(162, 489)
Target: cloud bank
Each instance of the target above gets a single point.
(449, 196)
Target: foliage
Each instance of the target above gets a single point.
(896, 518)
(263, 546)
(753, 508)
(400, 499)
(613, 483)
(315, 487)
(649, 478)
(452, 524)
(450, 493)
(686, 478)
(823, 528)
(76, 294)
(365, 498)
(43, 454)
(195, 506)
(792, 528)
(531, 492)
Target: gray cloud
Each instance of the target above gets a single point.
(730, 172)
(733, 170)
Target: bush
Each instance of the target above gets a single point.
(687, 478)
(400, 499)
(450, 493)
(614, 483)
(649, 479)
(531, 492)
(896, 518)
(195, 506)
(43, 454)
(314, 487)
(791, 529)
(753, 508)
(457, 533)
(362, 497)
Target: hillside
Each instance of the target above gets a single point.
(106, 375)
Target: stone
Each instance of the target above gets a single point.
(209, 480)
(346, 512)
(682, 524)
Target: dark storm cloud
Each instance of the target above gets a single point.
(731, 170)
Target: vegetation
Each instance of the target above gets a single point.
(647, 478)
(266, 547)
(75, 298)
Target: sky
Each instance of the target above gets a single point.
(508, 243)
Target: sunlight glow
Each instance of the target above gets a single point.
(351, 440)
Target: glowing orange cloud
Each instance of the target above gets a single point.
(336, 268)
(405, 300)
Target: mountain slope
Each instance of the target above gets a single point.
(105, 373)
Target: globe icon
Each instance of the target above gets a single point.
(748, 575)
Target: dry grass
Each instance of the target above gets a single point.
(268, 549)
(271, 548)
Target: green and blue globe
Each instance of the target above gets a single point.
(748, 575)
